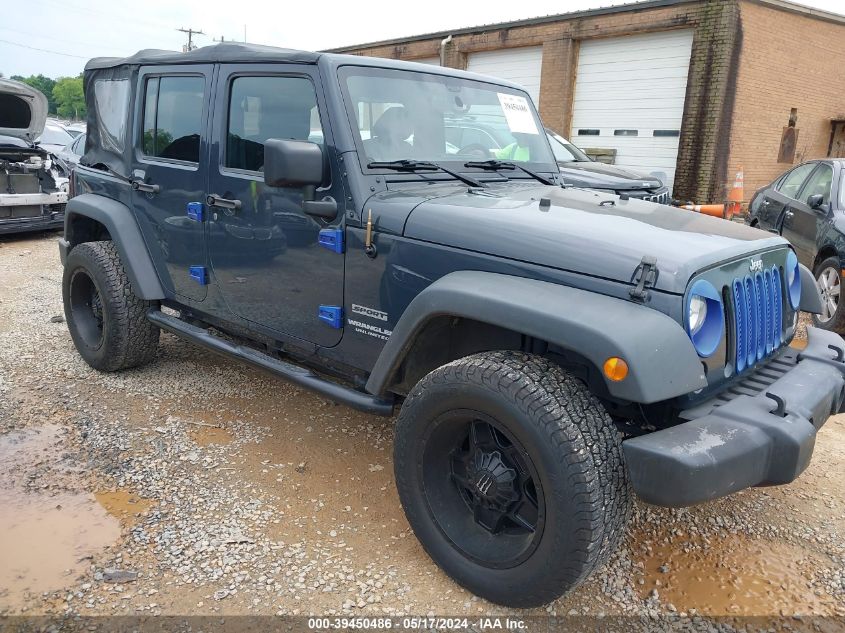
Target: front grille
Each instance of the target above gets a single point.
(660, 198)
(757, 307)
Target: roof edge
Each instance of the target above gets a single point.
(801, 9)
(619, 8)
(783, 5)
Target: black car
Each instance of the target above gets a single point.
(806, 205)
(482, 136)
(551, 350)
(579, 170)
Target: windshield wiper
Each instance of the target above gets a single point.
(407, 164)
(504, 164)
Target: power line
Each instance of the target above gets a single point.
(44, 50)
(42, 36)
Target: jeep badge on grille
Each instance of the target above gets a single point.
(756, 264)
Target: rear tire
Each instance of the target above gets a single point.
(512, 476)
(107, 321)
(829, 280)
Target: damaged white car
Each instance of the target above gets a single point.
(33, 182)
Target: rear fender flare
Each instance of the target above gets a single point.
(123, 229)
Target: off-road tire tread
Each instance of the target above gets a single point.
(585, 440)
(131, 339)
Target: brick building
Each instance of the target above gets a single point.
(691, 89)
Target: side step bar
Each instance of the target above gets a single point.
(279, 368)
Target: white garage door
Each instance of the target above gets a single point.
(520, 65)
(629, 96)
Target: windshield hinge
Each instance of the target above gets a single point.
(645, 276)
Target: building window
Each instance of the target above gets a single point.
(666, 133)
(590, 132)
(625, 132)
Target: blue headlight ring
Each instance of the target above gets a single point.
(706, 340)
(793, 290)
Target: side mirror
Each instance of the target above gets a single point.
(816, 201)
(292, 163)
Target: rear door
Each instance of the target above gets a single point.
(776, 199)
(263, 248)
(802, 225)
(173, 109)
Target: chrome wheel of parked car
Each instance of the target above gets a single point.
(830, 284)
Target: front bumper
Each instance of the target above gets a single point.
(745, 438)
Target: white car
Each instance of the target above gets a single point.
(33, 186)
(54, 137)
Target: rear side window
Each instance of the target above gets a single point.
(791, 184)
(111, 102)
(261, 108)
(172, 124)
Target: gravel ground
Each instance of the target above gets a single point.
(233, 493)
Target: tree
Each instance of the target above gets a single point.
(69, 97)
(43, 84)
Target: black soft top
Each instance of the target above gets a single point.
(223, 52)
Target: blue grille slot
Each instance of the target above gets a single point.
(740, 323)
(777, 312)
(765, 316)
(766, 295)
(754, 322)
(758, 316)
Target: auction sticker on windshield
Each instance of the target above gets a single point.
(518, 114)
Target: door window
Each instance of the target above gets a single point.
(791, 185)
(819, 183)
(261, 108)
(173, 108)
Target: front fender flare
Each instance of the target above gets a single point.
(127, 238)
(662, 361)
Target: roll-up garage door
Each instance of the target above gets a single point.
(629, 96)
(519, 65)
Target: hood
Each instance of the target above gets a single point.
(582, 231)
(604, 176)
(23, 110)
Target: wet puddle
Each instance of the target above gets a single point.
(205, 435)
(123, 505)
(733, 576)
(47, 538)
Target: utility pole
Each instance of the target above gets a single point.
(190, 45)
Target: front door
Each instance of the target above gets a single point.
(172, 112)
(802, 225)
(263, 248)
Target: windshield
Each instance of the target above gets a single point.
(564, 151)
(400, 114)
(55, 136)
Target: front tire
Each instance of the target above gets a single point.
(107, 321)
(829, 280)
(511, 474)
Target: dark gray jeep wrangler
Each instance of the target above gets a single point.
(554, 350)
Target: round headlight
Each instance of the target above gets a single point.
(793, 280)
(705, 319)
(697, 313)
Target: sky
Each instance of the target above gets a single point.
(56, 37)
